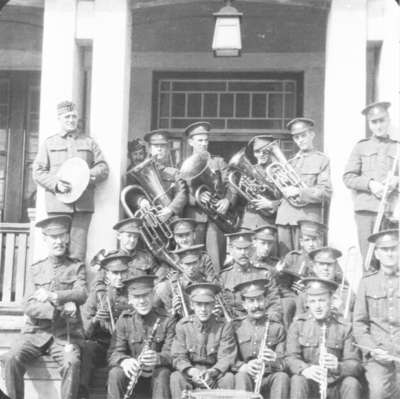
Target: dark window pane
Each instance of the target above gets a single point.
(226, 106)
(255, 86)
(259, 105)
(164, 105)
(290, 86)
(165, 85)
(275, 106)
(3, 117)
(210, 105)
(183, 123)
(290, 106)
(163, 124)
(199, 86)
(178, 105)
(242, 105)
(4, 92)
(194, 105)
(254, 124)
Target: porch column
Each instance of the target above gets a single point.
(109, 105)
(388, 82)
(345, 93)
(61, 79)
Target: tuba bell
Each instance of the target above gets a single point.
(201, 178)
(249, 182)
(282, 174)
(156, 234)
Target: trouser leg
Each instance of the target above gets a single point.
(92, 355)
(365, 223)
(69, 362)
(382, 380)
(276, 386)
(226, 381)
(288, 238)
(215, 245)
(160, 383)
(299, 388)
(117, 383)
(15, 364)
(289, 310)
(350, 388)
(179, 384)
(244, 382)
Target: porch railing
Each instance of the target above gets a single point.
(14, 258)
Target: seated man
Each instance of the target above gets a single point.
(320, 349)
(204, 347)
(241, 270)
(376, 317)
(133, 353)
(325, 265)
(184, 230)
(103, 309)
(249, 333)
(56, 288)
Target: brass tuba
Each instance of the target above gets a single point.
(249, 182)
(201, 178)
(283, 174)
(156, 233)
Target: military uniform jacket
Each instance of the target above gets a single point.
(132, 330)
(203, 345)
(235, 274)
(99, 331)
(371, 159)
(303, 346)
(376, 319)
(249, 334)
(224, 190)
(53, 153)
(175, 188)
(44, 320)
(314, 170)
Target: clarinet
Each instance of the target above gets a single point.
(323, 385)
(260, 375)
(147, 345)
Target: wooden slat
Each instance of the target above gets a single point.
(20, 271)
(8, 267)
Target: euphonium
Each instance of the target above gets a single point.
(147, 345)
(200, 178)
(282, 174)
(247, 180)
(260, 375)
(156, 233)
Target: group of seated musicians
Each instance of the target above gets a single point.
(248, 298)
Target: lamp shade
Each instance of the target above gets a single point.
(227, 40)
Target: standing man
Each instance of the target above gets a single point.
(320, 350)
(208, 232)
(249, 333)
(68, 143)
(376, 317)
(263, 209)
(56, 289)
(368, 169)
(204, 347)
(136, 154)
(313, 195)
(132, 330)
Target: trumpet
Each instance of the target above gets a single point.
(260, 375)
(178, 291)
(147, 345)
(323, 385)
(109, 324)
(249, 182)
(282, 173)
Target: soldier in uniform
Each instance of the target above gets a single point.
(325, 265)
(320, 351)
(68, 143)
(56, 288)
(190, 261)
(103, 309)
(132, 353)
(367, 170)
(136, 154)
(263, 210)
(249, 333)
(241, 270)
(208, 232)
(204, 347)
(376, 317)
(313, 169)
(159, 144)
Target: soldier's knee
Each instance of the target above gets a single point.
(176, 378)
(227, 381)
(281, 378)
(162, 373)
(351, 383)
(242, 378)
(297, 382)
(116, 374)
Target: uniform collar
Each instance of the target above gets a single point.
(259, 322)
(383, 139)
(244, 268)
(57, 260)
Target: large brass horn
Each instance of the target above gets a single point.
(201, 178)
(283, 174)
(156, 234)
(249, 182)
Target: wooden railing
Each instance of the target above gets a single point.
(14, 258)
